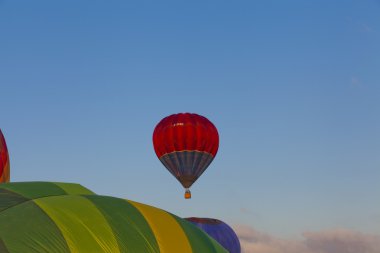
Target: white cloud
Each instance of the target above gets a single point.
(329, 241)
(366, 28)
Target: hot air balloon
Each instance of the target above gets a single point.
(4, 160)
(220, 231)
(63, 217)
(186, 144)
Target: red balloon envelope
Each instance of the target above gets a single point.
(186, 144)
(4, 160)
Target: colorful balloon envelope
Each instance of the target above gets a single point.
(69, 218)
(4, 160)
(186, 144)
(220, 231)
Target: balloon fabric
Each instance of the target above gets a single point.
(186, 144)
(62, 217)
(4, 160)
(220, 231)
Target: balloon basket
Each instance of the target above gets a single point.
(187, 194)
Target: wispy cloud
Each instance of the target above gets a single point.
(366, 28)
(355, 82)
(361, 26)
(247, 211)
(342, 241)
(329, 241)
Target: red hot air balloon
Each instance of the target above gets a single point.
(4, 160)
(186, 144)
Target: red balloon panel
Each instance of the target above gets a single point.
(4, 160)
(185, 132)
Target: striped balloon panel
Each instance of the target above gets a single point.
(187, 166)
(19, 191)
(60, 222)
(4, 160)
(185, 131)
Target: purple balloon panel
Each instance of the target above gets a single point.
(220, 231)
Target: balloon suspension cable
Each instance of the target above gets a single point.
(187, 194)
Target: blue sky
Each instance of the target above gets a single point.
(292, 86)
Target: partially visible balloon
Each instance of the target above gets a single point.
(186, 144)
(4, 160)
(68, 218)
(220, 231)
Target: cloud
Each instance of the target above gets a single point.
(342, 241)
(329, 241)
(248, 212)
(356, 82)
(366, 28)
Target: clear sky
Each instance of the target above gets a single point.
(292, 86)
